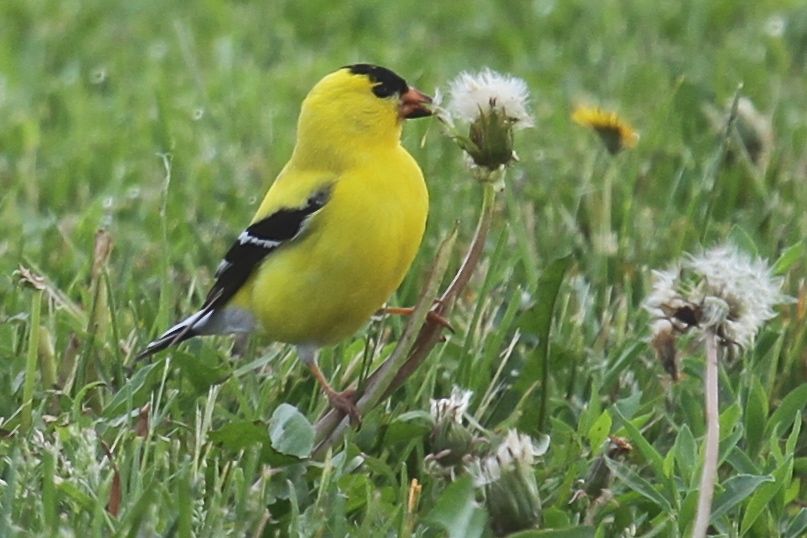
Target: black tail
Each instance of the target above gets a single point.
(176, 334)
(167, 339)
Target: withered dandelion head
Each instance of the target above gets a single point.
(723, 290)
(616, 133)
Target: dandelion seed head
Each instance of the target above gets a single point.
(471, 93)
(725, 290)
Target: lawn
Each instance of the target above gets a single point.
(136, 140)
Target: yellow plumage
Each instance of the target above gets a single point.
(338, 229)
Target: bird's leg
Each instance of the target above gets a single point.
(431, 316)
(341, 401)
(344, 401)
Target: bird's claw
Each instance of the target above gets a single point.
(345, 402)
(438, 319)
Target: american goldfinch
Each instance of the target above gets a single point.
(337, 230)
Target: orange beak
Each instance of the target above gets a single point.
(414, 104)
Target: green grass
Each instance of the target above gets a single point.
(163, 124)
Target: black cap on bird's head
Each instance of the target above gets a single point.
(413, 103)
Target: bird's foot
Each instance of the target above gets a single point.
(431, 317)
(345, 402)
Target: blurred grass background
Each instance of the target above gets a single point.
(163, 123)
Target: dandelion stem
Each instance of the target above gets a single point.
(710, 450)
(477, 244)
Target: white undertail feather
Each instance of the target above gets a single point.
(226, 321)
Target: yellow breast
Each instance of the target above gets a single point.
(354, 253)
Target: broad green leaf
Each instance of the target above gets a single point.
(736, 490)
(692, 408)
(756, 413)
(792, 493)
(793, 438)
(686, 454)
(786, 412)
(741, 463)
(689, 505)
(759, 501)
(669, 463)
(555, 518)
(645, 448)
(729, 419)
(728, 444)
(290, 432)
(599, 431)
(790, 256)
(627, 407)
(457, 512)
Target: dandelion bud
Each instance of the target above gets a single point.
(508, 480)
(491, 139)
(450, 440)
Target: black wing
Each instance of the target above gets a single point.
(244, 256)
(256, 243)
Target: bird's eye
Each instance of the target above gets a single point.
(384, 90)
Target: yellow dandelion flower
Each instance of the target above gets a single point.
(615, 133)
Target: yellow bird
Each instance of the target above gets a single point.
(335, 233)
